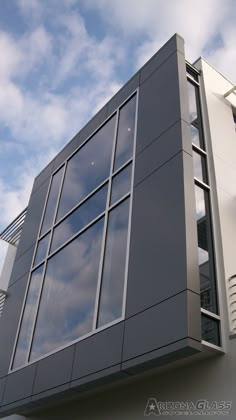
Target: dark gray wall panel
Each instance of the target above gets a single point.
(161, 150)
(123, 93)
(43, 176)
(98, 352)
(22, 265)
(54, 370)
(19, 385)
(103, 377)
(170, 353)
(66, 152)
(9, 322)
(157, 263)
(156, 327)
(174, 43)
(194, 315)
(92, 125)
(2, 387)
(33, 218)
(159, 103)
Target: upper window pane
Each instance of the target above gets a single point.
(88, 168)
(41, 249)
(26, 328)
(192, 102)
(121, 184)
(111, 297)
(67, 303)
(125, 137)
(52, 201)
(83, 215)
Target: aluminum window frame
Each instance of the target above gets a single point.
(104, 214)
(194, 77)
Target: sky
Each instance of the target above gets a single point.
(61, 60)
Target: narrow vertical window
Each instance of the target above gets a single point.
(111, 297)
(26, 329)
(52, 201)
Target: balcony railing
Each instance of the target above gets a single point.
(12, 232)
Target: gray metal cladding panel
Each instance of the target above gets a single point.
(9, 322)
(159, 103)
(33, 218)
(157, 263)
(54, 370)
(174, 43)
(66, 152)
(161, 150)
(103, 377)
(43, 176)
(98, 352)
(123, 94)
(19, 385)
(167, 354)
(2, 387)
(194, 315)
(156, 327)
(21, 266)
(92, 125)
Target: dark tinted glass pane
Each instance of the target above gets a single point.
(125, 137)
(67, 303)
(192, 101)
(121, 184)
(210, 330)
(111, 297)
(195, 136)
(206, 265)
(199, 163)
(80, 218)
(28, 318)
(52, 201)
(88, 168)
(41, 249)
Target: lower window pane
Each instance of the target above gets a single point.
(28, 318)
(205, 260)
(210, 330)
(67, 303)
(111, 297)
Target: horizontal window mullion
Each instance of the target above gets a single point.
(122, 167)
(81, 202)
(201, 184)
(77, 234)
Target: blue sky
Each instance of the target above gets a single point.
(61, 60)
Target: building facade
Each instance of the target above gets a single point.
(122, 293)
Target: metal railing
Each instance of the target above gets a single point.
(3, 296)
(12, 232)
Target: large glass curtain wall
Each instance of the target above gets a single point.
(77, 280)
